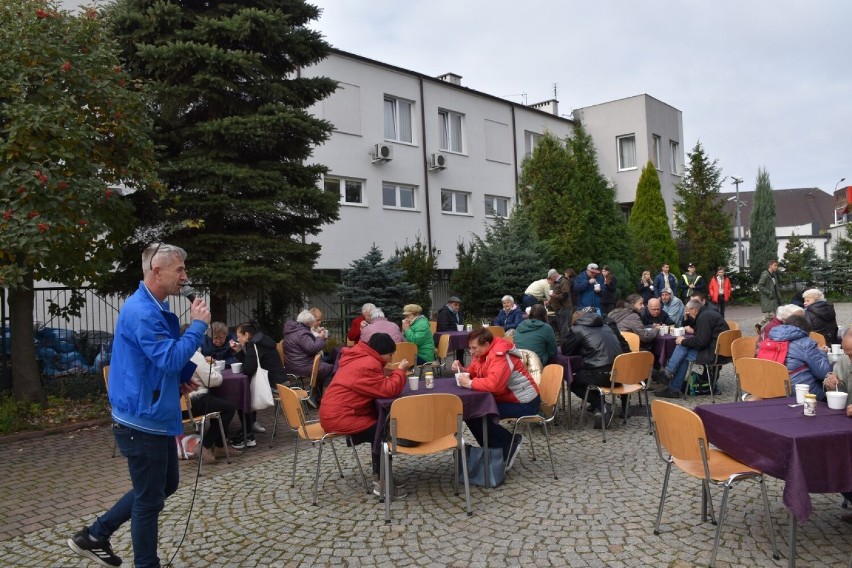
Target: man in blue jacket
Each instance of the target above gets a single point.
(588, 288)
(149, 372)
(665, 279)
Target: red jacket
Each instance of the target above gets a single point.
(491, 372)
(713, 290)
(355, 329)
(347, 404)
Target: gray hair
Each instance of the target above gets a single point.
(787, 310)
(305, 317)
(376, 313)
(844, 331)
(813, 294)
(507, 297)
(156, 251)
(367, 308)
(693, 305)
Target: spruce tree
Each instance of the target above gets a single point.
(419, 262)
(703, 229)
(378, 281)
(800, 261)
(762, 243)
(649, 224)
(838, 270)
(234, 132)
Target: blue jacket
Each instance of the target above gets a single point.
(807, 364)
(660, 282)
(586, 295)
(148, 355)
(511, 320)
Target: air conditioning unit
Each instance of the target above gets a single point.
(382, 153)
(438, 161)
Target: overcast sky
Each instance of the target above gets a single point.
(761, 83)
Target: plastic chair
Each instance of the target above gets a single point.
(762, 378)
(441, 353)
(742, 347)
(496, 330)
(681, 432)
(106, 384)
(433, 325)
(200, 425)
(819, 338)
(435, 421)
(313, 432)
(405, 350)
(723, 357)
(632, 340)
(732, 324)
(631, 373)
(549, 390)
(301, 393)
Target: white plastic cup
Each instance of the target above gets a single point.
(219, 365)
(835, 348)
(460, 327)
(664, 330)
(801, 391)
(237, 367)
(836, 399)
(413, 383)
(460, 375)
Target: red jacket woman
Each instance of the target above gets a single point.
(719, 295)
(490, 373)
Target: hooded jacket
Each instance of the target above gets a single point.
(628, 319)
(420, 333)
(595, 342)
(300, 346)
(823, 320)
(491, 373)
(807, 363)
(537, 336)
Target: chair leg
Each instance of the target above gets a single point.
(719, 526)
(295, 459)
(583, 408)
(625, 406)
(549, 451)
(663, 497)
(530, 436)
(387, 484)
(647, 411)
(320, 444)
(275, 422)
(334, 451)
(709, 503)
(224, 439)
(603, 413)
(358, 461)
(770, 526)
(466, 480)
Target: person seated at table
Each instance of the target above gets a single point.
(700, 347)
(781, 314)
(672, 306)
(256, 349)
(348, 406)
(539, 291)
(654, 316)
(378, 323)
(416, 329)
(839, 378)
(206, 376)
(301, 344)
(496, 367)
(807, 363)
(218, 344)
(354, 334)
(535, 334)
(598, 345)
(688, 323)
(450, 316)
(626, 317)
(510, 316)
(820, 313)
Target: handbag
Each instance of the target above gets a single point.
(476, 467)
(261, 392)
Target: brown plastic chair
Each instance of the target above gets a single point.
(199, 423)
(106, 384)
(632, 340)
(280, 348)
(405, 350)
(681, 432)
(631, 373)
(433, 325)
(435, 422)
(549, 390)
(723, 357)
(313, 432)
(302, 393)
(745, 346)
(496, 330)
(819, 338)
(732, 324)
(762, 378)
(441, 353)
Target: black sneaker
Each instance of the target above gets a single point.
(98, 550)
(513, 451)
(241, 444)
(668, 393)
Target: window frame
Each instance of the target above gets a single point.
(491, 211)
(455, 193)
(531, 140)
(618, 148)
(396, 101)
(341, 189)
(674, 156)
(656, 143)
(398, 187)
(445, 130)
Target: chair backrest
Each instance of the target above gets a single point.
(315, 369)
(678, 430)
(632, 340)
(405, 350)
(425, 417)
(433, 325)
(443, 346)
(280, 348)
(723, 343)
(632, 368)
(818, 337)
(743, 347)
(763, 378)
(496, 330)
(732, 324)
(292, 407)
(550, 388)
(106, 377)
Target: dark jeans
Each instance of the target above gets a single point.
(499, 437)
(153, 464)
(721, 305)
(207, 403)
(586, 377)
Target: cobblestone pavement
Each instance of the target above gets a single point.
(600, 512)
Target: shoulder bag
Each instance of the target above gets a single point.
(261, 392)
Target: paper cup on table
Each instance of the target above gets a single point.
(801, 391)
(413, 382)
(664, 330)
(459, 375)
(237, 367)
(460, 327)
(219, 365)
(835, 348)
(836, 399)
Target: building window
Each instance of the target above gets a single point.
(351, 191)
(627, 152)
(398, 120)
(675, 152)
(450, 124)
(496, 206)
(398, 196)
(655, 150)
(531, 140)
(455, 202)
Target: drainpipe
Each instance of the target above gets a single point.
(515, 152)
(425, 167)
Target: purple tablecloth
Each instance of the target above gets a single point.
(664, 346)
(570, 364)
(458, 339)
(812, 454)
(236, 389)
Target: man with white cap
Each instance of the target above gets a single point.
(672, 306)
(539, 291)
(588, 287)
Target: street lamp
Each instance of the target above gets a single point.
(838, 183)
(737, 180)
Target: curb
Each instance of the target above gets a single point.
(64, 429)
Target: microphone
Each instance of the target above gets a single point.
(188, 292)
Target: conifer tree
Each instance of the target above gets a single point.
(838, 270)
(763, 245)
(704, 233)
(800, 261)
(378, 281)
(467, 279)
(420, 264)
(234, 132)
(649, 224)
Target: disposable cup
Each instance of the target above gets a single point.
(835, 348)
(237, 367)
(801, 391)
(413, 383)
(220, 365)
(460, 327)
(664, 330)
(836, 399)
(459, 375)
